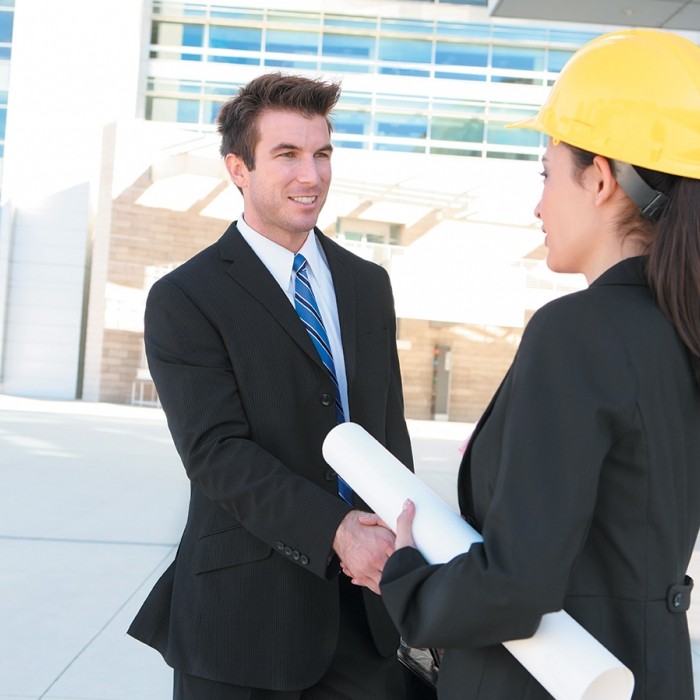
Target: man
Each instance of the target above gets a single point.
(255, 605)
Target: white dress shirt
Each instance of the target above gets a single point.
(279, 261)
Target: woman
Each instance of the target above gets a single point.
(583, 475)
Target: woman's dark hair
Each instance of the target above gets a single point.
(238, 118)
(673, 247)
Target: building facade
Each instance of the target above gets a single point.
(112, 175)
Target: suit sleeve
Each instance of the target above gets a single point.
(199, 392)
(539, 456)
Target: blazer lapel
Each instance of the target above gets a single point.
(346, 299)
(249, 272)
(466, 501)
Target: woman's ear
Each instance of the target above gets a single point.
(604, 179)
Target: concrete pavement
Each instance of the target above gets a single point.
(92, 505)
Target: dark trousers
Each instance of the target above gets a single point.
(357, 672)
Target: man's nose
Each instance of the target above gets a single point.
(308, 170)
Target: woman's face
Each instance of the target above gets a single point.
(568, 213)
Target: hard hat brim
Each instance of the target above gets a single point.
(529, 123)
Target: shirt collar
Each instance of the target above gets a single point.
(277, 259)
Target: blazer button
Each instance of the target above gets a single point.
(288, 551)
(326, 399)
(295, 555)
(303, 559)
(280, 545)
(329, 475)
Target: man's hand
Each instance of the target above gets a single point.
(363, 543)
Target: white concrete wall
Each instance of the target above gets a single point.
(75, 67)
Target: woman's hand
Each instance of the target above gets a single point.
(404, 526)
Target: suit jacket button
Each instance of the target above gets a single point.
(326, 399)
(288, 551)
(303, 559)
(295, 555)
(280, 545)
(329, 475)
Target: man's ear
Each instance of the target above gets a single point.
(236, 169)
(604, 179)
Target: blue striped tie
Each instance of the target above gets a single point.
(307, 308)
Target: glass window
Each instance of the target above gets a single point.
(349, 46)
(512, 58)
(6, 27)
(161, 109)
(238, 60)
(291, 42)
(176, 8)
(405, 50)
(290, 63)
(406, 148)
(311, 20)
(508, 155)
(225, 89)
(459, 74)
(354, 98)
(563, 36)
(457, 54)
(236, 38)
(463, 30)
(220, 12)
(407, 26)
(557, 59)
(446, 105)
(397, 70)
(403, 102)
(413, 126)
(188, 111)
(177, 34)
(469, 130)
(365, 23)
(211, 110)
(455, 152)
(497, 133)
(351, 144)
(334, 67)
(345, 122)
(519, 33)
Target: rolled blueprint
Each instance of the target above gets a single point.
(563, 656)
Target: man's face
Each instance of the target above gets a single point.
(284, 194)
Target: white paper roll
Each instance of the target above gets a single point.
(563, 656)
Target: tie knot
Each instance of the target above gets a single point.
(299, 263)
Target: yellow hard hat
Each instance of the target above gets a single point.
(630, 95)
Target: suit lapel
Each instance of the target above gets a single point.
(464, 486)
(251, 274)
(346, 299)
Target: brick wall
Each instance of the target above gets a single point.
(480, 357)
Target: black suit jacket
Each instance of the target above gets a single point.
(252, 596)
(584, 478)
